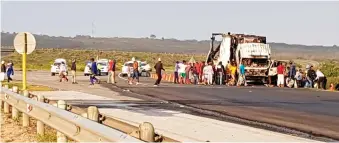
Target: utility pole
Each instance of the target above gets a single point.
(92, 29)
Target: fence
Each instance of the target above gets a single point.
(84, 128)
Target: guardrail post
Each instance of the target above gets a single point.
(15, 112)
(61, 138)
(6, 105)
(146, 132)
(93, 114)
(25, 117)
(40, 126)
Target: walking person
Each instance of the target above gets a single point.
(130, 74)
(10, 72)
(281, 75)
(158, 69)
(176, 72)
(94, 72)
(136, 71)
(73, 70)
(62, 72)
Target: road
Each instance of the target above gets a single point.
(301, 109)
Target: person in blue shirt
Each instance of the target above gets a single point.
(242, 79)
(94, 72)
(10, 71)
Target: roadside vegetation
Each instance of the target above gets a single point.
(42, 59)
(30, 87)
(331, 71)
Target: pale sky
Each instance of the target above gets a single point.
(309, 23)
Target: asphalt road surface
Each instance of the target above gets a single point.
(301, 109)
(315, 112)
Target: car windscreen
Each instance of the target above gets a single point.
(143, 64)
(102, 64)
(57, 64)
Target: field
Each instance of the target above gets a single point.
(42, 59)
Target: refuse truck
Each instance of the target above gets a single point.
(251, 50)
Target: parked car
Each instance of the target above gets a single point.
(87, 70)
(144, 68)
(55, 66)
(102, 65)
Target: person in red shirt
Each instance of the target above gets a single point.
(197, 69)
(281, 75)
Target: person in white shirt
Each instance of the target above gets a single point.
(208, 74)
(321, 80)
(182, 72)
(62, 72)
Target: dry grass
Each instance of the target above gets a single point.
(29, 86)
(43, 59)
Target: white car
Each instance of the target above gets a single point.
(102, 65)
(124, 69)
(87, 70)
(55, 66)
(143, 68)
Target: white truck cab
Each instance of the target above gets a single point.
(256, 57)
(55, 66)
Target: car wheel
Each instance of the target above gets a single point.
(52, 74)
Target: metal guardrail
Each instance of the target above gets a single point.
(72, 125)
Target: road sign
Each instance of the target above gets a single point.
(20, 41)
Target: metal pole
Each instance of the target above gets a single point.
(24, 87)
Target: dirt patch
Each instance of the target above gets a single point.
(13, 131)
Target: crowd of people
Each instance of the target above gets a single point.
(299, 78)
(207, 73)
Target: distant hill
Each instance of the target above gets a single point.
(167, 45)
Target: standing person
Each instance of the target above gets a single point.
(176, 74)
(242, 78)
(110, 78)
(113, 70)
(188, 73)
(210, 73)
(202, 65)
(233, 70)
(62, 72)
(220, 71)
(182, 72)
(73, 70)
(136, 71)
(195, 74)
(158, 68)
(205, 74)
(3, 67)
(298, 78)
(281, 73)
(321, 79)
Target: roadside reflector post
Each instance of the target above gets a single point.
(25, 117)
(6, 105)
(40, 126)
(15, 112)
(61, 138)
(146, 132)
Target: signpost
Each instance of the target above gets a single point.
(24, 43)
